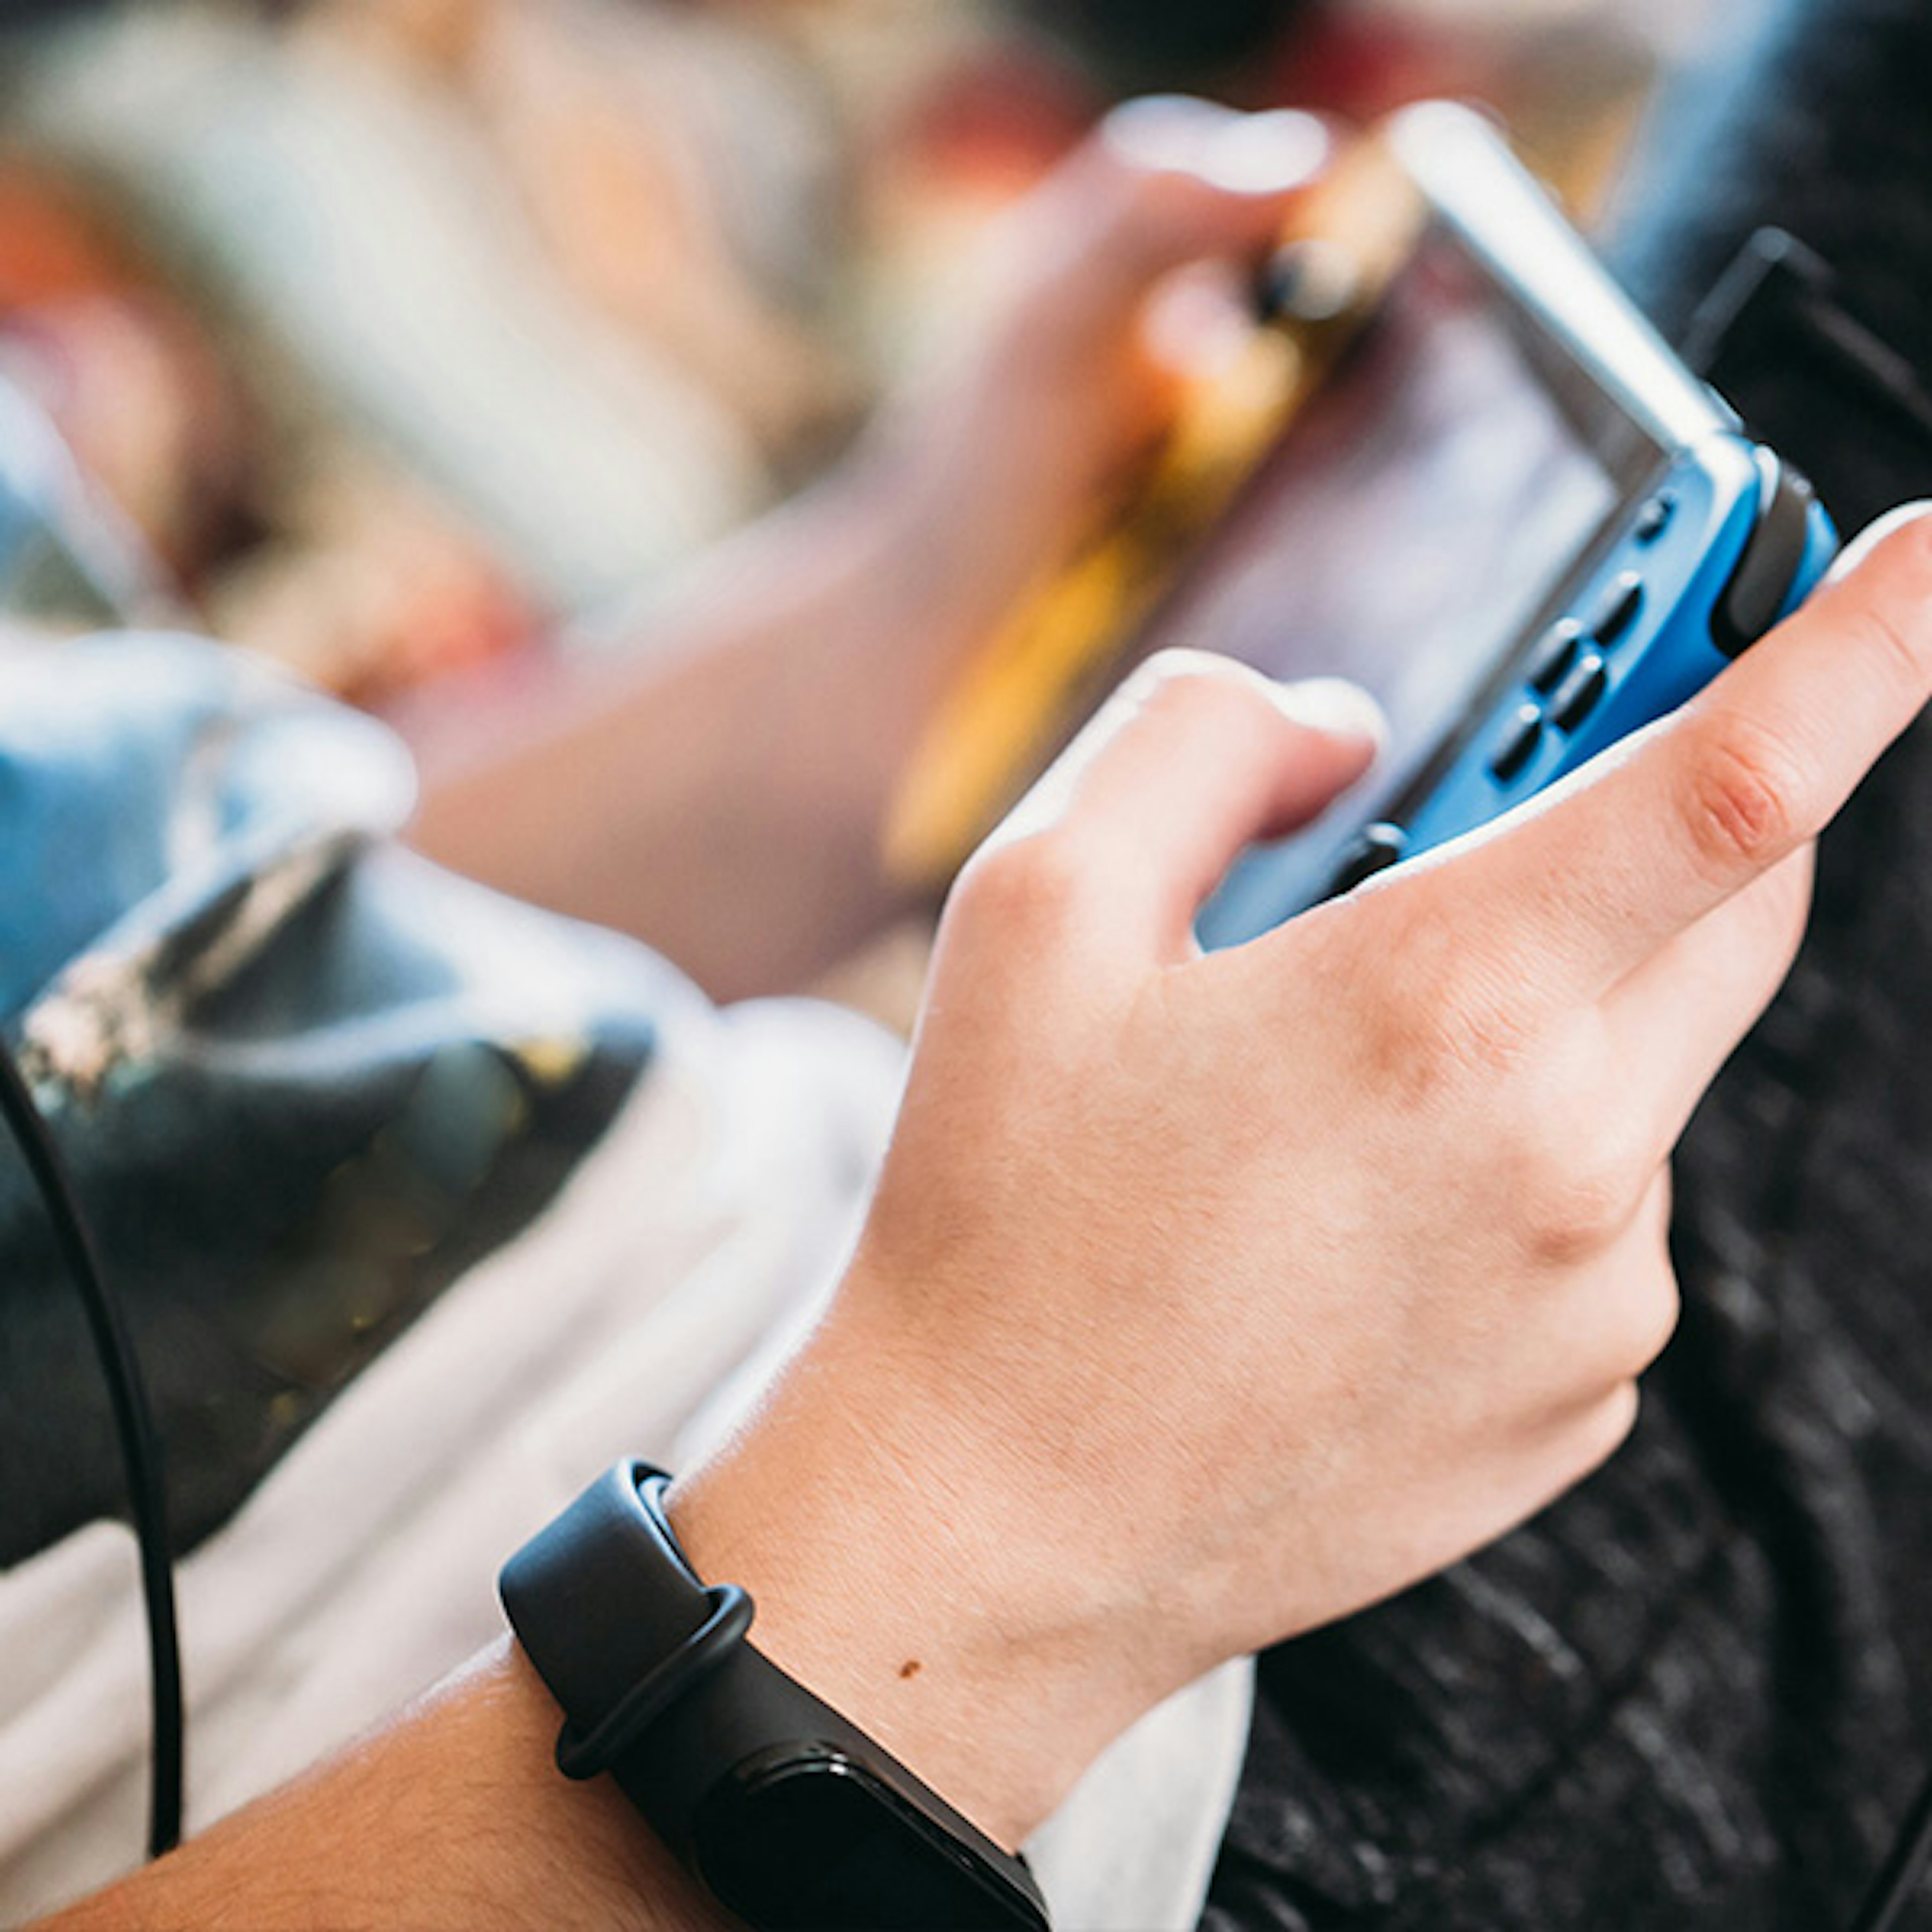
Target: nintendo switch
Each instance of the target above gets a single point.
(1506, 509)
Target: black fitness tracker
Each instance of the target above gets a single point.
(791, 1817)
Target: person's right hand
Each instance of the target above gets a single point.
(1205, 1300)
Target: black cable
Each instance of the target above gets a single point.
(140, 1448)
(1892, 1890)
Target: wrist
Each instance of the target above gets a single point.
(889, 1581)
(616, 1874)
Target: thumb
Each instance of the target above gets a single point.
(1194, 758)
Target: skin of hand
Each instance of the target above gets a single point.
(1203, 1300)
(1206, 1300)
(717, 784)
(1126, 269)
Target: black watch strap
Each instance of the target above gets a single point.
(791, 1815)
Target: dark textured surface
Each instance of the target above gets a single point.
(1699, 1690)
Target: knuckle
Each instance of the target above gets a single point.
(1574, 1196)
(1655, 1314)
(1570, 1211)
(1029, 886)
(1605, 1427)
(1440, 1016)
(1485, 1031)
(1744, 796)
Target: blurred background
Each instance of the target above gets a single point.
(395, 333)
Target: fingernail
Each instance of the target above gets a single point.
(1336, 707)
(1243, 153)
(1861, 546)
(1267, 154)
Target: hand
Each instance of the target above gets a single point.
(1095, 293)
(721, 792)
(1205, 1300)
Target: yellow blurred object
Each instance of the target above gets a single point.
(1053, 660)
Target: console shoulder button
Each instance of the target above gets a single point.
(1762, 583)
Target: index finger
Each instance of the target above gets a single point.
(1169, 180)
(1638, 847)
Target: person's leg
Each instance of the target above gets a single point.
(1702, 1685)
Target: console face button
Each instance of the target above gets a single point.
(1582, 693)
(1653, 519)
(1375, 851)
(1556, 651)
(1518, 744)
(1617, 608)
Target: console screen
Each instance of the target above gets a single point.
(1421, 512)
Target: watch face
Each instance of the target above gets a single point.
(817, 1843)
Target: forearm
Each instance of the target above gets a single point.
(870, 1590)
(721, 792)
(453, 1816)
(715, 782)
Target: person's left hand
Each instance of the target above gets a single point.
(722, 790)
(1120, 272)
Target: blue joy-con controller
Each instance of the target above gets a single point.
(1684, 592)
(1704, 568)
(1708, 539)
(1676, 600)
